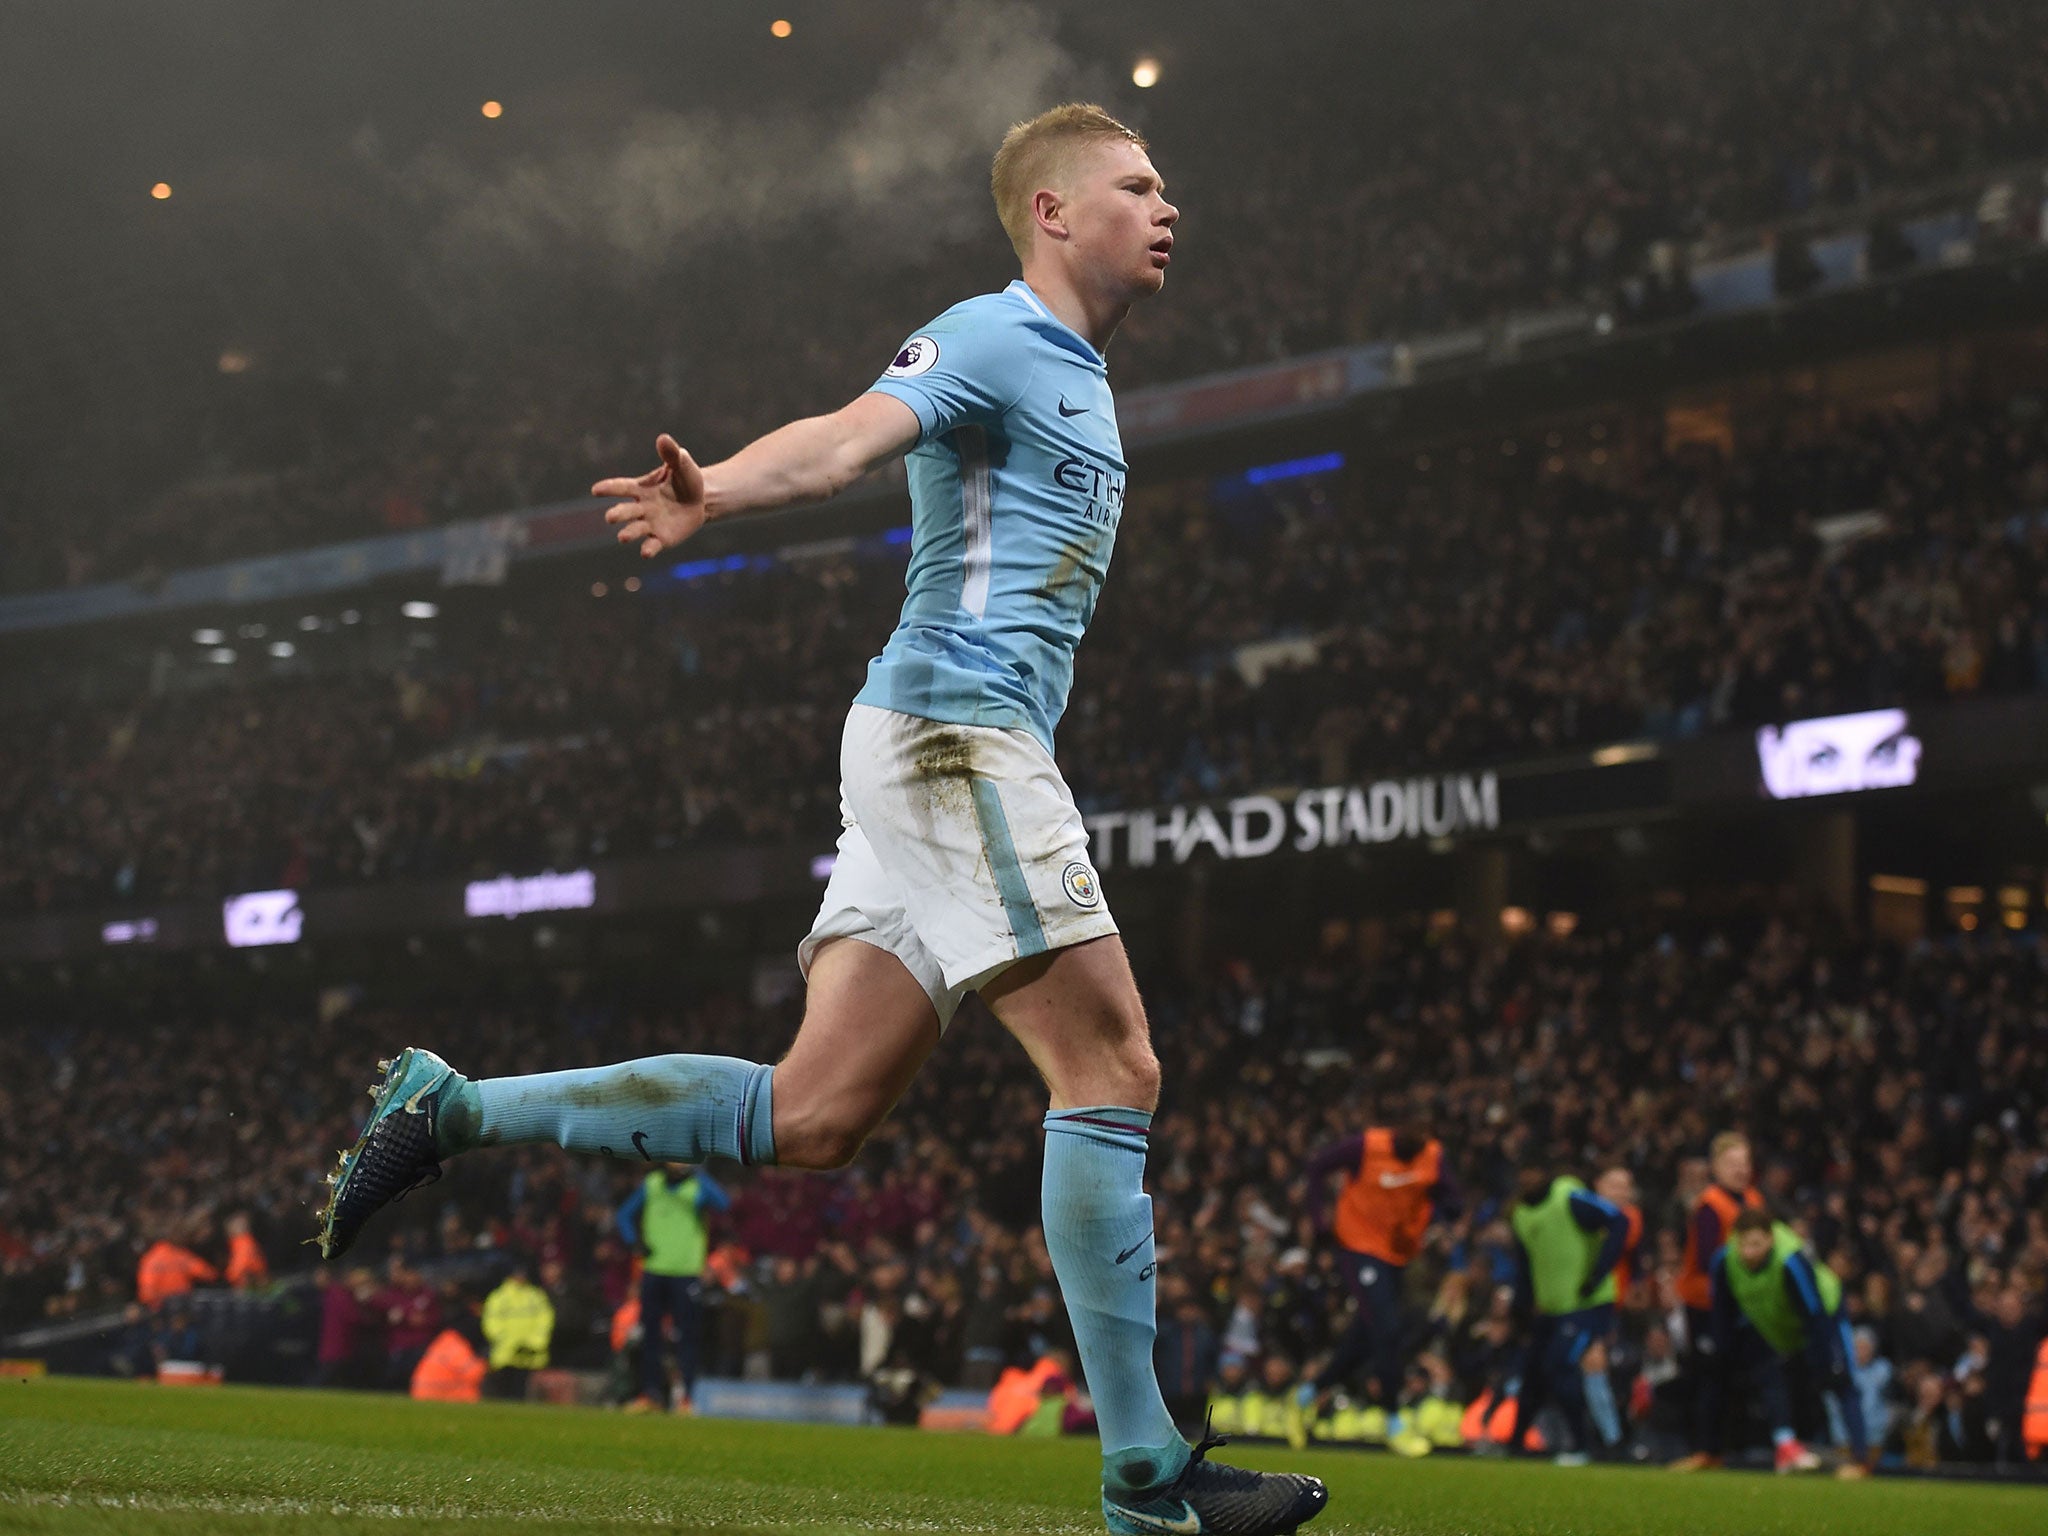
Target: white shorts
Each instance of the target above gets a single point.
(963, 853)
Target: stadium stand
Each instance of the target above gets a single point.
(1893, 1098)
(1557, 162)
(1458, 609)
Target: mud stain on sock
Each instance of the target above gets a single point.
(634, 1089)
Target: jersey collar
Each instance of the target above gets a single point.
(1065, 334)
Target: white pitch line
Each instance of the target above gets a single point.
(167, 1504)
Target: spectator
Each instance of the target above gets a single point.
(168, 1270)
(347, 1324)
(2012, 1340)
(247, 1269)
(518, 1327)
(411, 1317)
(1874, 1386)
(1185, 1354)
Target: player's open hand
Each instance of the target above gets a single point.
(663, 507)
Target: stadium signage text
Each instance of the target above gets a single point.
(1838, 755)
(514, 896)
(1252, 826)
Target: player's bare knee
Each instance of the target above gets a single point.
(1140, 1070)
(818, 1137)
(1135, 1057)
(827, 1149)
(1110, 1061)
(1125, 1070)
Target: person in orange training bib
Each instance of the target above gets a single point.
(1394, 1184)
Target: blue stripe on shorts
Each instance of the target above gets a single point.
(1009, 874)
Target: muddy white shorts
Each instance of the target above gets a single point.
(962, 853)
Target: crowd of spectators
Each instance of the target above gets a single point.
(1894, 1099)
(1474, 604)
(1383, 184)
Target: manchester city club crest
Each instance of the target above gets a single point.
(1081, 886)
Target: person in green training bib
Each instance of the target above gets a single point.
(1774, 1302)
(1567, 1242)
(663, 1220)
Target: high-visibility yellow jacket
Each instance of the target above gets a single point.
(519, 1321)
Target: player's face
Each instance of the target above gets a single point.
(1119, 220)
(1753, 1248)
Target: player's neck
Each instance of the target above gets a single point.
(1091, 317)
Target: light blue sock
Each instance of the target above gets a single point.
(1098, 1229)
(1600, 1404)
(659, 1109)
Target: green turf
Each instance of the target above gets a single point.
(107, 1456)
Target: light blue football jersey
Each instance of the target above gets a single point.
(1016, 489)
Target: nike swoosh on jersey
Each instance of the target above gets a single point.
(1141, 1242)
(1399, 1180)
(1071, 410)
(1188, 1524)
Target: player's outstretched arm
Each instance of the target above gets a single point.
(806, 461)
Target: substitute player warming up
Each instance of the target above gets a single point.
(963, 866)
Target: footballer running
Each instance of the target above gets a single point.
(963, 865)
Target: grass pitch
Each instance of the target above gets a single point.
(80, 1456)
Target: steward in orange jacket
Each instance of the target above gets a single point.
(168, 1270)
(2034, 1422)
(248, 1270)
(451, 1371)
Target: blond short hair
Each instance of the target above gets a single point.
(1727, 1141)
(1037, 152)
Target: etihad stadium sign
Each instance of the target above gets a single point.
(1253, 826)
